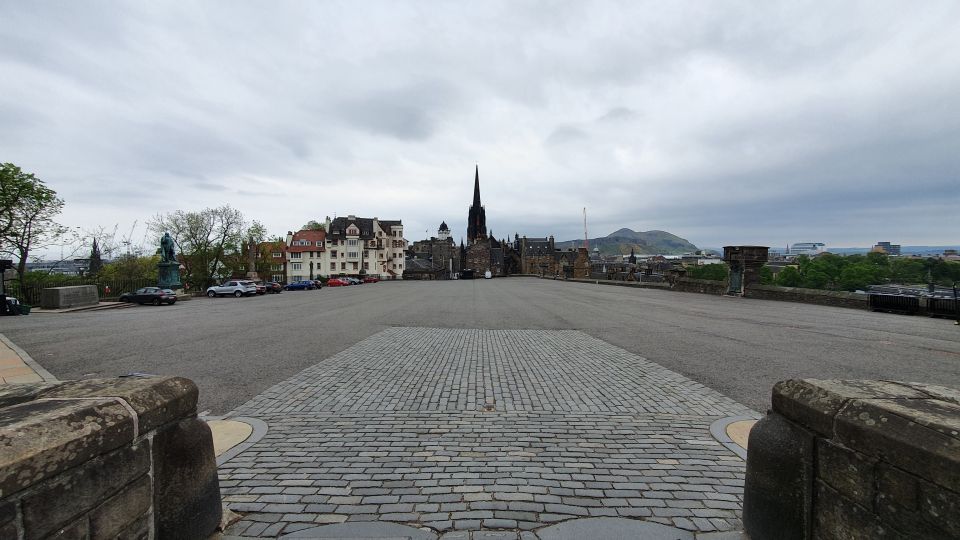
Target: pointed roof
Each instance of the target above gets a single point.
(476, 188)
(443, 226)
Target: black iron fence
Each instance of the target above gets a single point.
(108, 289)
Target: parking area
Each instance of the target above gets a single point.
(237, 348)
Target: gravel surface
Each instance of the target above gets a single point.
(236, 348)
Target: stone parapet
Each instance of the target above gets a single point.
(808, 296)
(105, 458)
(855, 459)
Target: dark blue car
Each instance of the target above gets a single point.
(300, 286)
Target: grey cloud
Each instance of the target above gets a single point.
(566, 134)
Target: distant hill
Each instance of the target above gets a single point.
(642, 242)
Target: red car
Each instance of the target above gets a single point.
(370, 279)
(334, 282)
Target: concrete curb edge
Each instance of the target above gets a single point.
(719, 431)
(37, 368)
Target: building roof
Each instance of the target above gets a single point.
(443, 226)
(310, 236)
(339, 226)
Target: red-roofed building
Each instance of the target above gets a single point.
(305, 253)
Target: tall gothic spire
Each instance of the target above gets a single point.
(477, 218)
(476, 187)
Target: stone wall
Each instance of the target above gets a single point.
(808, 296)
(705, 286)
(855, 459)
(106, 458)
(66, 297)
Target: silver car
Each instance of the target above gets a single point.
(234, 287)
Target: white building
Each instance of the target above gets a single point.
(364, 246)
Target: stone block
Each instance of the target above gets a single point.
(66, 297)
(41, 439)
(921, 436)
(814, 403)
(156, 400)
(123, 509)
(779, 480)
(915, 506)
(186, 493)
(78, 491)
(138, 530)
(848, 472)
(837, 518)
(8, 520)
(14, 394)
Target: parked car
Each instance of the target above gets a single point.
(150, 295)
(261, 286)
(234, 287)
(305, 285)
(371, 279)
(273, 287)
(318, 283)
(336, 282)
(487, 275)
(354, 281)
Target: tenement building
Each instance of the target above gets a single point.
(364, 246)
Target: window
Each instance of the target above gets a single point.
(277, 277)
(354, 265)
(343, 266)
(319, 243)
(353, 254)
(276, 254)
(333, 266)
(333, 254)
(366, 254)
(366, 266)
(296, 255)
(351, 242)
(276, 267)
(296, 266)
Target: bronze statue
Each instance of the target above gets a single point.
(167, 253)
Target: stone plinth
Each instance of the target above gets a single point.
(169, 275)
(855, 459)
(106, 458)
(67, 297)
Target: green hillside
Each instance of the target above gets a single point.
(642, 242)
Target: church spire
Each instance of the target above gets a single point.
(477, 219)
(476, 187)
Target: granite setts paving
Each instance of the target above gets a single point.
(462, 429)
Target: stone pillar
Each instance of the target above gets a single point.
(855, 459)
(745, 263)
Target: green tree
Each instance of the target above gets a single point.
(203, 239)
(96, 260)
(716, 272)
(766, 275)
(27, 209)
(789, 277)
(313, 225)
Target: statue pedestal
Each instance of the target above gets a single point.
(169, 275)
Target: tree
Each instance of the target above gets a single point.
(203, 240)
(96, 261)
(27, 209)
(789, 277)
(313, 225)
(716, 272)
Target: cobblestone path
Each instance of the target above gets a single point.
(484, 429)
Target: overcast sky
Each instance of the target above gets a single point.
(721, 122)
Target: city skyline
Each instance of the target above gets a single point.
(722, 124)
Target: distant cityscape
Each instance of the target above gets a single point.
(359, 246)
